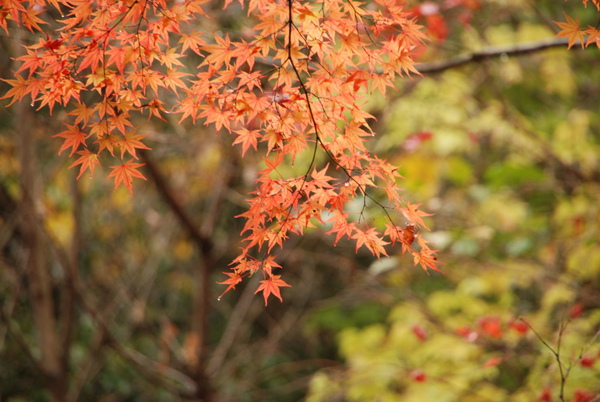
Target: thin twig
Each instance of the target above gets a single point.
(562, 369)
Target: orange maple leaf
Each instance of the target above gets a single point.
(125, 173)
(570, 29)
(31, 20)
(130, 142)
(20, 88)
(341, 226)
(247, 138)
(594, 36)
(192, 41)
(108, 141)
(74, 137)
(87, 161)
(219, 53)
(271, 286)
(234, 279)
(320, 179)
(371, 240)
(31, 61)
(412, 213)
(426, 259)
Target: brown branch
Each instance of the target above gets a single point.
(492, 52)
(40, 280)
(71, 270)
(562, 368)
(205, 245)
(204, 242)
(153, 369)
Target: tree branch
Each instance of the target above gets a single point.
(492, 52)
(38, 273)
(205, 245)
(203, 242)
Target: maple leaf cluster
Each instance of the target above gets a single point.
(576, 34)
(294, 83)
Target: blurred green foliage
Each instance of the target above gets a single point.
(512, 173)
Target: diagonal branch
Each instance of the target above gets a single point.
(206, 267)
(204, 243)
(490, 53)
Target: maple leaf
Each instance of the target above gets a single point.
(217, 116)
(120, 121)
(130, 142)
(271, 286)
(594, 36)
(371, 240)
(31, 20)
(87, 160)
(105, 141)
(412, 213)
(170, 58)
(192, 41)
(268, 265)
(570, 29)
(74, 137)
(320, 179)
(31, 61)
(234, 279)
(93, 56)
(124, 174)
(82, 113)
(220, 52)
(20, 88)
(247, 138)
(119, 56)
(245, 53)
(173, 79)
(341, 226)
(426, 259)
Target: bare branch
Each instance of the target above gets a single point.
(492, 52)
(204, 243)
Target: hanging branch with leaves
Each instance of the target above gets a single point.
(293, 86)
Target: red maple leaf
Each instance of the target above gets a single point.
(412, 213)
(87, 161)
(73, 136)
(130, 142)
(20, 88)
(371, 240)
(125, 173)
(234, 279)
(271, 286)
